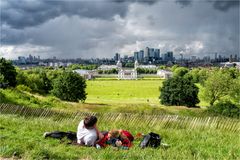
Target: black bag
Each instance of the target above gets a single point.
(151, 140)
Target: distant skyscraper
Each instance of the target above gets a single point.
(157, 53)
(141, 55)
(235, 58)
(21, 60)
(216, 56)
(30, 58)
(231, 58)
(168, 56)
(117, 57)
(151, 53)
(146, 54)
(136, 56)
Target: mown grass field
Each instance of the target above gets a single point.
(108, 95)
(22, 138)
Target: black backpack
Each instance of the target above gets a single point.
(151, 140)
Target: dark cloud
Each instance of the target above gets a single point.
(150, 2)
(24, 13)
(225, 5)
(101, 28)
(184, 3)
(21, 14)
(221, 5)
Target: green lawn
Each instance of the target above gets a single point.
(139, 96)
(22, 138)
(124, 91)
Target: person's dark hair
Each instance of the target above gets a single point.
(90, 121)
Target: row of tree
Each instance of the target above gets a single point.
(220, 87)
(64, 84)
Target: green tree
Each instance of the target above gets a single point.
(235, 90)
(180, 71)
(203, 75)
(179, 91)
(174, 67)
(46, 83)
(70, 86)
(21, 77)
(1, 78)
(195, 75)
(217, 86)
(8, 71)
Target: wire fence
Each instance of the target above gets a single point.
(148, 121)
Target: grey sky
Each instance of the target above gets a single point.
(100, 28)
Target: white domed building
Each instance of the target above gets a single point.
(127, 73)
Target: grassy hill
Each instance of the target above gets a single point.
(21, 137)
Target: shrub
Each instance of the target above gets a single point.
(24, 88)
(225, 108)
(179, 91)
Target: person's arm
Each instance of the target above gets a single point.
(99, 134)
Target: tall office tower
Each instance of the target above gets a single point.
(136, 56)
(215, 56)
(231, 58)
(30, 58)
(235, 58)
(151, 53)
(117, 57)
(157, 53)
(146, 52)
(141, 55)
(168, 56)
(220, 58)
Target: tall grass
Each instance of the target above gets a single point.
(21, 137)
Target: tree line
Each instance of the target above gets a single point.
(221, 87)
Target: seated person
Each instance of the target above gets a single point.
(87, 132)
(117, 138)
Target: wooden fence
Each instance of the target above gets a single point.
(149, 121)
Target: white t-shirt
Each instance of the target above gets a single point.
(86, 136)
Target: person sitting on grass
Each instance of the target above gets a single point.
(117, 138)
(87, 132)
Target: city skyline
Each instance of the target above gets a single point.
(98, 29)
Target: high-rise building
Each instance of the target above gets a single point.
(235, 58)
(30, 58)
(136, 56)
(146, 52)
(168, 56)
(157, 53)
(21, 60)
(117, 57)
(141, 55)
(231, 58)
(151, 53)
(216, 56)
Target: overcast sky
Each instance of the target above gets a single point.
(100, 28)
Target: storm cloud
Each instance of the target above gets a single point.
(73, 29)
